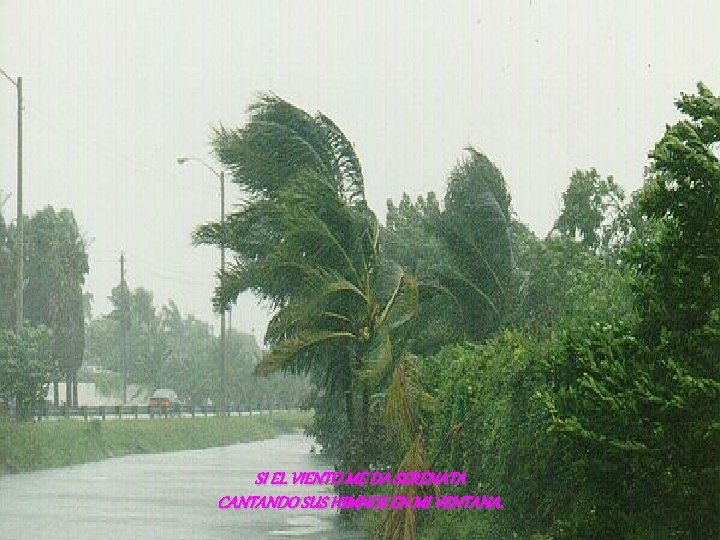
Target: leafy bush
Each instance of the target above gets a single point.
(26, 366)
(491, 426)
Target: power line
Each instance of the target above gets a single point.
(118, 158)
(193, 279)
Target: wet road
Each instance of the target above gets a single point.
(171, 496)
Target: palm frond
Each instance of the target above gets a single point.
(379, 356)
(403, 303)
(282, 355)
(347, 165)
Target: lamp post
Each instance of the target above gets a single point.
(19, 315)
(223, 342)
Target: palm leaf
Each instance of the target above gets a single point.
(281, 356)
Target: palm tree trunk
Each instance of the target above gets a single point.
(349, 410)
(75, 389)
(364, 427)
(68, 389)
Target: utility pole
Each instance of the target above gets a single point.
(223, 340)
(20, 316)
(20, 248)
(123, 323)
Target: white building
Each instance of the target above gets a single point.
(88, 395)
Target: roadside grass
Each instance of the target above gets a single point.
(31, 446)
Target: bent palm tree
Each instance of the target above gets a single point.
(306, 242)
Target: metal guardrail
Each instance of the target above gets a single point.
(146, 411)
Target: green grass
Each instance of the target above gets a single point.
(31, 446)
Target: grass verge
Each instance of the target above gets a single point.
(31, 446)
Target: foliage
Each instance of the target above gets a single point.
(475, 227)
(564, 281)
(408, 238)
(595, 416)
(7, 275)
(604, 424)
(26, 367)
(55, 269)
(169, 350)
(680, 278)
(491, 426)
(462, 254)
(678, 291)
(588, 203)
(307, 242)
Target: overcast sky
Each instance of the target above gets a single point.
(116, 91)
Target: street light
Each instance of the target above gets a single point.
(223, 341)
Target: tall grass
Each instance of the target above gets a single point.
(30, 446)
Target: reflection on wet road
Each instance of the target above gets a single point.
(171, 496)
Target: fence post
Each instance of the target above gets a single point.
(151, 412)
(84, 410)
(102, 411)
(135, 410)
(118, 411)
(192, 411)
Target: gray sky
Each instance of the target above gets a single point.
(116, 91)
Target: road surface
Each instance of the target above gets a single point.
(171, 496)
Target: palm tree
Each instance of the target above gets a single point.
(306, 242)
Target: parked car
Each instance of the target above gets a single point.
(163, 399)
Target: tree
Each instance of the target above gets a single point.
(55, 272)
(588, 203)
(678, 293)
(461, 254)
(409, 238)
(475, 226)
(7, 275)
(681, 285)
(307, 243)
(634, 403)
(170, 350)
(567, 282)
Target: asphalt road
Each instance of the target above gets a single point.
(171, 496)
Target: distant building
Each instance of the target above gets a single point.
(89, 395)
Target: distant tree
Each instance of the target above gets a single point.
(566, 281)
(87, 306)
(587, 204)
(170, 350)
(55, 271)
(7, 276)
